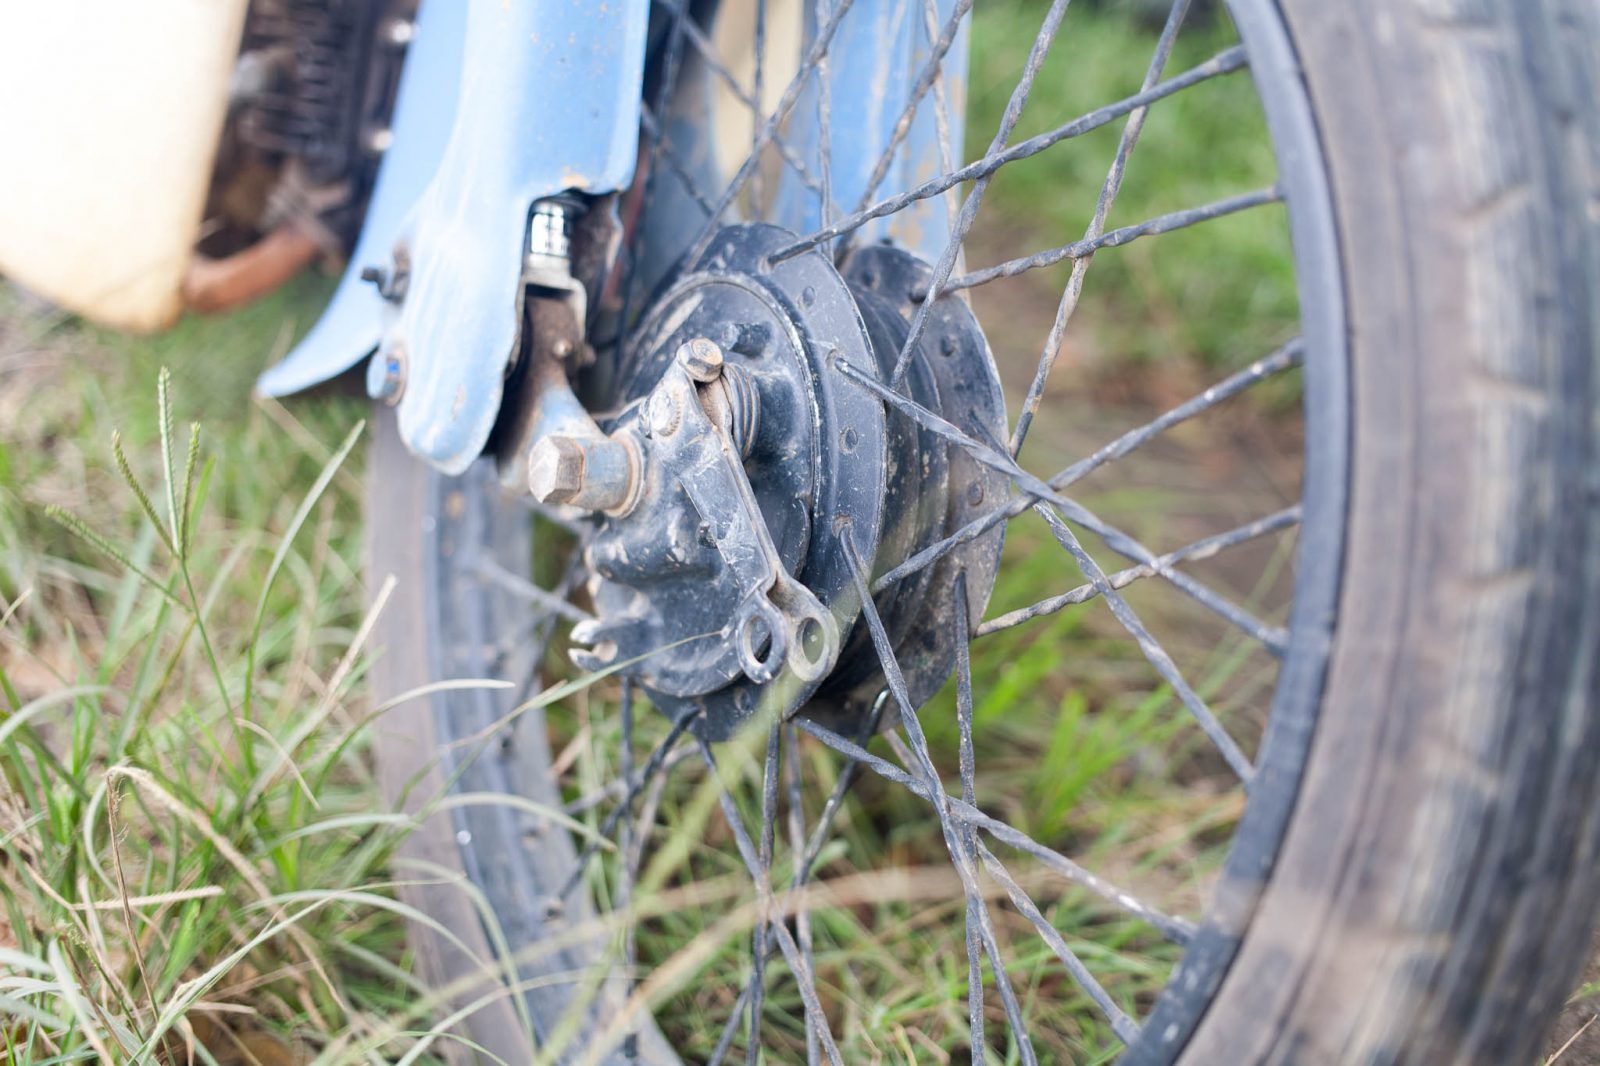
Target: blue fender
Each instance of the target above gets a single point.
(425, 110)
(500, 104)
(878, 50)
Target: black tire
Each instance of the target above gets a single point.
(415, 517)
(402, 496)
(1434, 893)
(1432, 896)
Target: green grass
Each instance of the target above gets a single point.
(171, 629)
(1221, 292)
(142, 714)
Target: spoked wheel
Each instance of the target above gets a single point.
(897, 732)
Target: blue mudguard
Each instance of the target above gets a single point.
(504, 103)
(425, 110)
(877, 54)
(500, 104)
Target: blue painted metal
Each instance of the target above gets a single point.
(876, 56)
(548, 101)
(504, 103)
(425, 110)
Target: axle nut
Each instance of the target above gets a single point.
(555, 470)
(592, 473)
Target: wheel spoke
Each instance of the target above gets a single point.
(769, 129)
(1117, 540)
(967, 761)
(1225, 62)
(797, 847)
(544, 624)
(1125, 1028)
(791, 951)
(630, 1043)
(664, 153)
(751, 100)
(519, 586)
(1109, 189)
(830, 810)
(1273, 638)
(758, 946)
(806, 852)
(616, 787)
(1200, 549)
(648, 809)
(669, 78)
(940, 548)
(960, 856)
(1178, 930)
(1284, 358)
(654, 765)
(1152, 649)
(578, 527)
(1082, 250)
(824, 133)
(1288, 356)
(928, 77)
(730, 1028)
(757, 86)
(969, 207)
(941, 116)
(984, 453)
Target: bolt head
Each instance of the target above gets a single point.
(702, 358)
(555, 470)
(662, 413)
(746, 338)
(392, 385)
(399, 32)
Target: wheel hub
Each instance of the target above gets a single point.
(718, 576)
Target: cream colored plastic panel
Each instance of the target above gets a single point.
(110, 112)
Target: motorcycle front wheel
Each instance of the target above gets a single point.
(1389, 822)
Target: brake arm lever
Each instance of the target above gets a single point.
(692, 432)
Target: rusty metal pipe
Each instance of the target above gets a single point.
(215, 285)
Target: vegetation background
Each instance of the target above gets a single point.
(193, 856)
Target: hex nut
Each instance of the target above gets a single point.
(555, 470)
(702, 358)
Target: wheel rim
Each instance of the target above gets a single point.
(483, 545)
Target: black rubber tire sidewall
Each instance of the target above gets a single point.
(1432, 898)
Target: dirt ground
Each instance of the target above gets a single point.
(1576, 1037)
